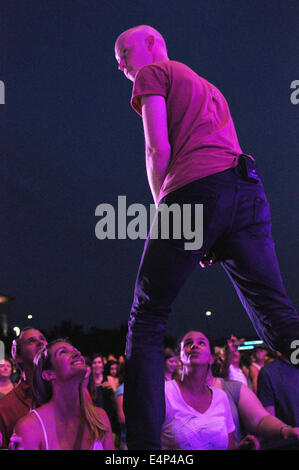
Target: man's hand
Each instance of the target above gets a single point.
(290, 432)
(249, 443)
(207, 260)
(16, 442)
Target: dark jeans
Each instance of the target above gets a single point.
(237, 228)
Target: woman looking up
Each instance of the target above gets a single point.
(198, 417)
(64, 420)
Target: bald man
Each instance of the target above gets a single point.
(193, 157)
(19, 401)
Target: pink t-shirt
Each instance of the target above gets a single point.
(201, 131)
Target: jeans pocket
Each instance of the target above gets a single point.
(261, 210)
(261, 227)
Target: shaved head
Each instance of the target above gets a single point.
(141, 32)
(137, 47)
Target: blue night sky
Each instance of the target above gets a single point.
(70, 141)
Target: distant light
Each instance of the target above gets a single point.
(29, 317)
(208, 313)
(17, 330)
(240, 348)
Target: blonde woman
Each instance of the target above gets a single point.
(64, 420)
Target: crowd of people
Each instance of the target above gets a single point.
(54, 398)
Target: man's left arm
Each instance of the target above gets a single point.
(157, 146)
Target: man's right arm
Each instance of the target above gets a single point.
(157, 146)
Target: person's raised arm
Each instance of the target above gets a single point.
(157, 146)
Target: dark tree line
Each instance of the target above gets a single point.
(89, 342)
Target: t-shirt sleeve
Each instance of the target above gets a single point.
(150, 80)
(119, 390)
(233, 387)
(229, 418)
(264, 389)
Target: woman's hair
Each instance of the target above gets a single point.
(121, 373)
(95, 355)
(43, 391)
(217, 366)
(108, 365)
(168, 353)
(91, 386)
(178, 347)
(87, 361)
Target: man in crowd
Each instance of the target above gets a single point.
(258, 361)
(193, 158)
(278, 390)
(19, 401)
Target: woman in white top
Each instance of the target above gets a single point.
(66, 420)
(198, 417)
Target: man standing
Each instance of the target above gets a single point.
(258, 362)
(19, 401)
(277, 388)
(193, 157)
